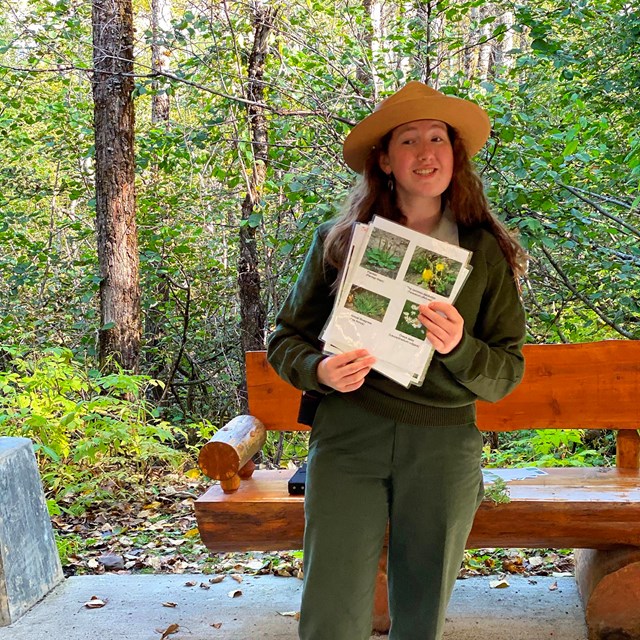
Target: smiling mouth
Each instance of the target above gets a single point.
(425, 172)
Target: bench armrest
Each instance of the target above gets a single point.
(230, 449)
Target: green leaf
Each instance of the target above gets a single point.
(570, 147)
(255, 219)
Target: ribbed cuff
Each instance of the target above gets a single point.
(309, 373)
(462, 356)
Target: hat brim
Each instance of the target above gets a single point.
(467, 118)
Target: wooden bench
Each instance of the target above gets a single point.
(595, 510)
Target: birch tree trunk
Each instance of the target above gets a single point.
(120, 332)
(154, 329)
(160, 23)
(364, 72)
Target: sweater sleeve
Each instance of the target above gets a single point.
(488, 361)
(294, 349)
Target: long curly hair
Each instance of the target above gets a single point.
(465, 197)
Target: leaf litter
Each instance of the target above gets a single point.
(155, 531)
(160, 535)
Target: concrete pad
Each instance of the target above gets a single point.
(529, 609)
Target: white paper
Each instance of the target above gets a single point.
(490, 475)
(391, 270)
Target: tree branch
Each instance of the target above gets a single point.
(183, 342)
(599, 209)
(600, 196)
(584, 298)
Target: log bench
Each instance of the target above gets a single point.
(594, 510)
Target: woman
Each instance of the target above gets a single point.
(381, 454)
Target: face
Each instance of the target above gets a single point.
(420, 156)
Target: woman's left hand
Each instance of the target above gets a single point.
(444, 325)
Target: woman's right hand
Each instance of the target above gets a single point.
(345, 371)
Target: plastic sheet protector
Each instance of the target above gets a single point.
(391, 270)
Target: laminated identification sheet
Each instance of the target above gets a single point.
(390, 271)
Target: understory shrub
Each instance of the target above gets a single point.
(91, 432)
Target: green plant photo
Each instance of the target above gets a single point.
(367, 303)
(433, 272)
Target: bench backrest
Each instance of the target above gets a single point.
(592, 385)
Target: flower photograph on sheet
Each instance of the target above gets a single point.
(384, 253)
(368, 303)
(432, 271)
(409, 323)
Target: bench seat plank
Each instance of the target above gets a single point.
(568, 507)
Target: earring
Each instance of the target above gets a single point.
(390, 183)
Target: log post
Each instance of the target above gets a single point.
(227, 456)
(609, 585)
(381, 620)
(627, 449)
(609, 579)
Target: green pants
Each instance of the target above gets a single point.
(363, 473)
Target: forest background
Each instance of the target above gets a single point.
(240, 110)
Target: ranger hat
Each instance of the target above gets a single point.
(416, 101)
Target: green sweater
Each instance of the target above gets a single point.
(486, 364)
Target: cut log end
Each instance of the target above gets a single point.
(219, 460)
(232, 447)
(231, 484)
(609, 583)
(613, 610)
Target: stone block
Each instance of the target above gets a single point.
(29, 562)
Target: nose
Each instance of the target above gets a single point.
(425, 151)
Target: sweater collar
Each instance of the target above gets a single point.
(447, 228)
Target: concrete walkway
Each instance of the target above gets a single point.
(528, 609)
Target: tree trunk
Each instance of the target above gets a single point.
(115, 192)
(160, 23)
(423, 56)
(364, 72)
(252, 308)
(154, 328)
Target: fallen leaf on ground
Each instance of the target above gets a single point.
(191, 583)
(170, 604)
(216, 625)
(111, 561)
(513, 565)
(216, 579)
(554, 586)
(235, 593)
(290, 614)
(255, 565)
(95, 603)
(237, 577)
(498, 584)
(204, 585)
(171, 629)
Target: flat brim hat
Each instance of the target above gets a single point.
(416, 101)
